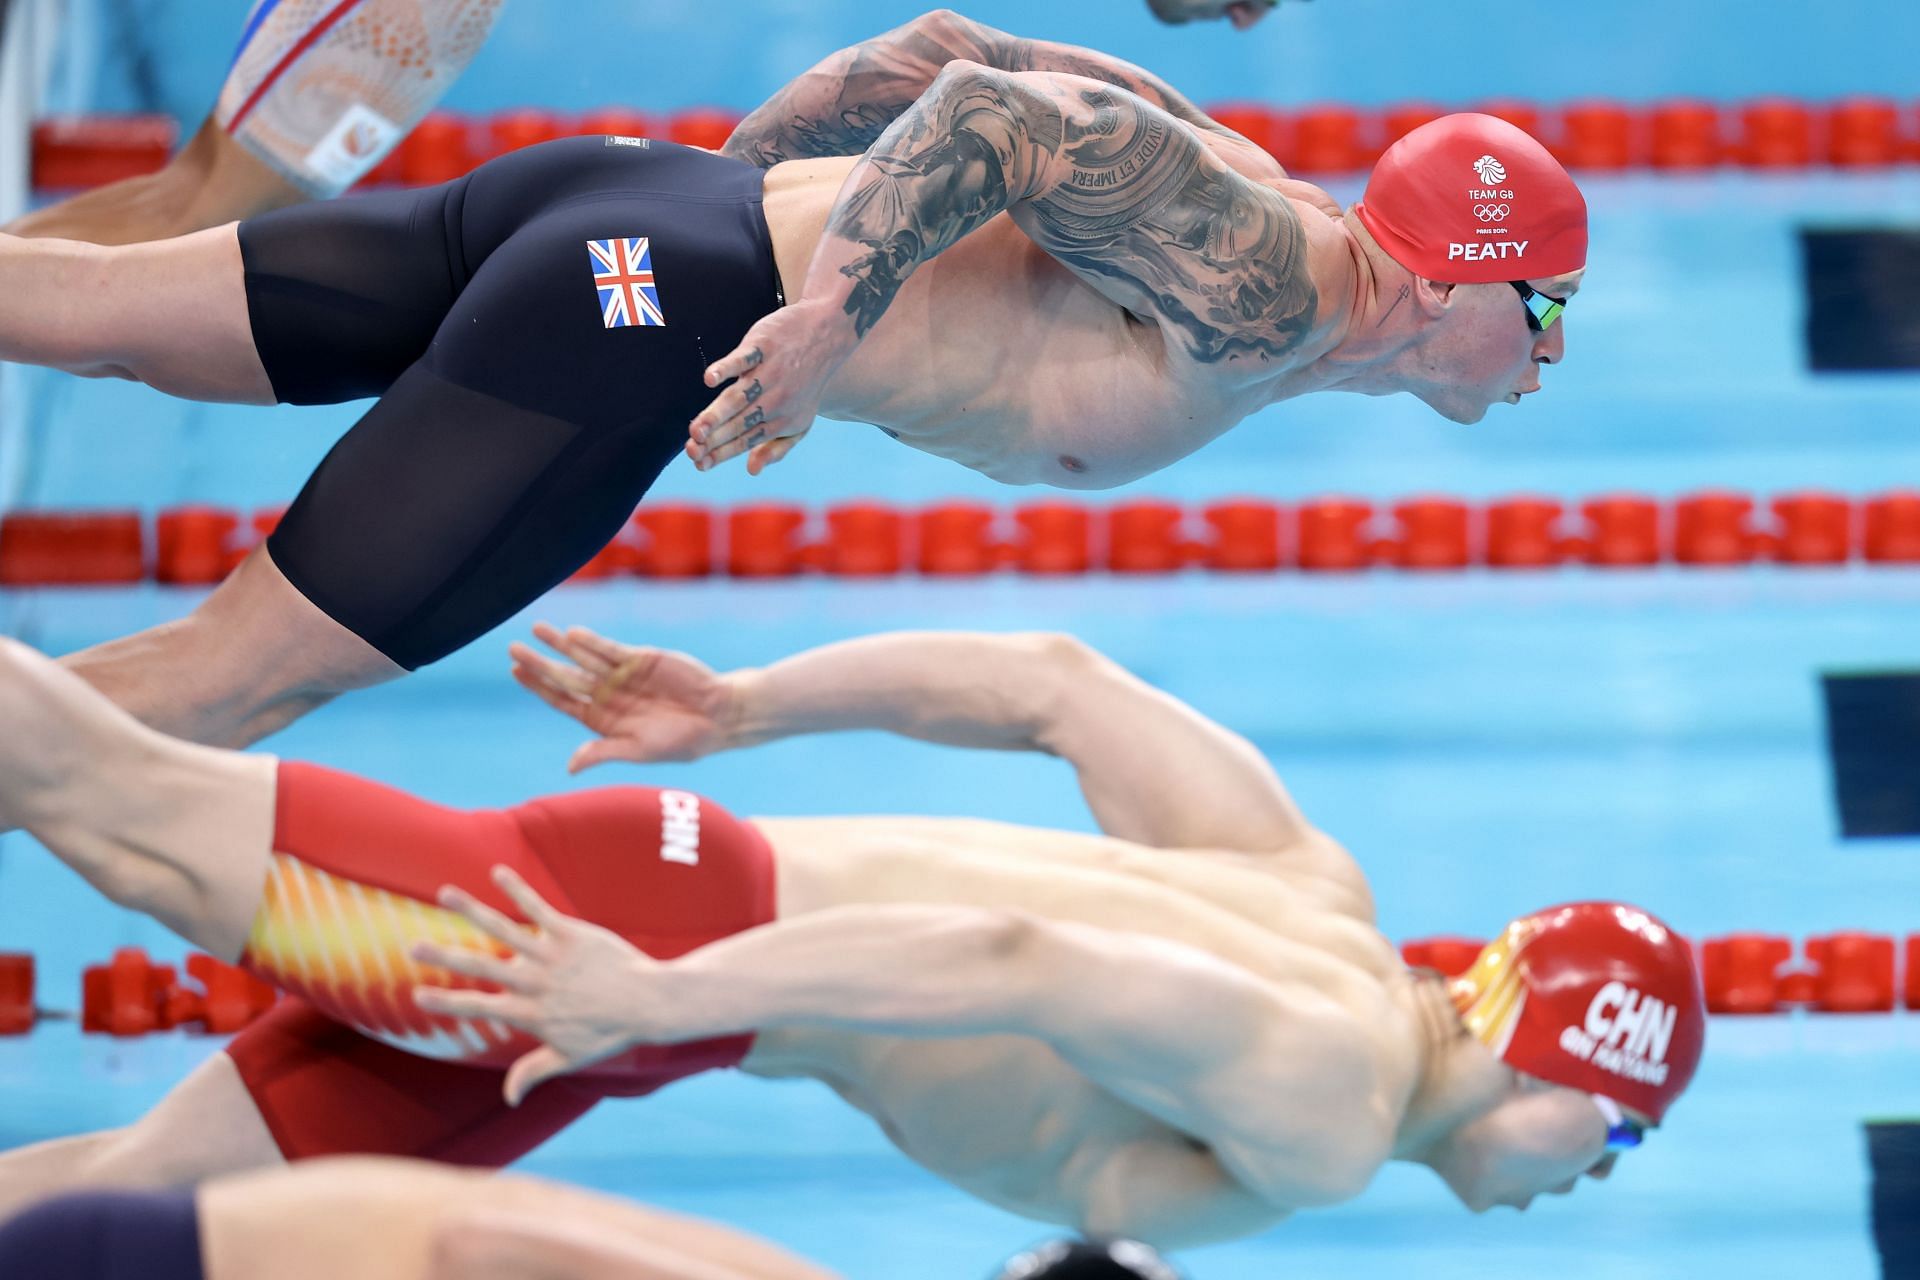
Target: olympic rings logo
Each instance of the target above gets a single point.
(1492, 212)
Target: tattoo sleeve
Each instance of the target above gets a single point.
(841, 106)
(1114, 187)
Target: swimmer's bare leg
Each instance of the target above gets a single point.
(253, 658)
(180, 832)
(169, 313)
(210, 181)
(207, 1127)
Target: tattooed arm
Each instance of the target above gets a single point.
(841, 106)
(1124, 195)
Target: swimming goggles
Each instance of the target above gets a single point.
(1624, 1133)
(1542, 310)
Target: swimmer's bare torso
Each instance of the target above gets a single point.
(1040, 1067)
(997, 357)
(1006, 1118)
(1034, 259)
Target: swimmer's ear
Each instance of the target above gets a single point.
(1432, 297)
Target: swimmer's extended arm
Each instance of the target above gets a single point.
(1277, 1076)
(1153, 769)
(840, 106)
(1117, 190)
(497, 1244)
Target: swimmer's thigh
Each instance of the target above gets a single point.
(343, 297)
(207, 1126)
(498, 463)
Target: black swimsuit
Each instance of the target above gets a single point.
(536, 331)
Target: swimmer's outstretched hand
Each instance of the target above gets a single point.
(646, 704)
(583, 990)
(779, 374)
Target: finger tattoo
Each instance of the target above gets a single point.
(754, 357)
(754, 419)
(753, 390)
(757, 438)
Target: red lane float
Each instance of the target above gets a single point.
(864, 540)
(46, 548)
(1329, 139)
(1775, 133)
(676, 541)
(708, 127)
(1714, 528)
(1678, 136)
(1246, 537)
(1623, 531)
(193, 546)
(1145, 537)
(1524, 533)
(1743, 974)
(131, 995)
(763, 540)
(439, 149)
(1598, 136)
(1853, 972)
(1331, 535)
(1685, 135)
(956, 539)
(1054, 538)
(74, 152)
(17, 1010)
(197, 545)
(1864, 133)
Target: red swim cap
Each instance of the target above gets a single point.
(1596, 996)
(1471, 199)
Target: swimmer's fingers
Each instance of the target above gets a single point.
(745, 441)
(747, 355)
(574, 643)
(731, 406)
(535, 1068)
(508, 933)
(535, 681)
(472, 964)
(561, 677)
(543, 913)
(765, 455)
(591, 649)
(515, 1011)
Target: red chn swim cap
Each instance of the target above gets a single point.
(1471, 199)
(1596, 996)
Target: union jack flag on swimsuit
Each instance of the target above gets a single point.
(623, 272)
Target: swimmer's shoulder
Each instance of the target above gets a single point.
(1308, 199)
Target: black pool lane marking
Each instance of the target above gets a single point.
(1863, 299)
(1893, 1155)
(1873, 743)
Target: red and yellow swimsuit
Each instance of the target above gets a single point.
(350, 1065)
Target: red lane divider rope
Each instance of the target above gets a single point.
(1594, 135)
(1743, 973)
(195, 545)
(1757, 973)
